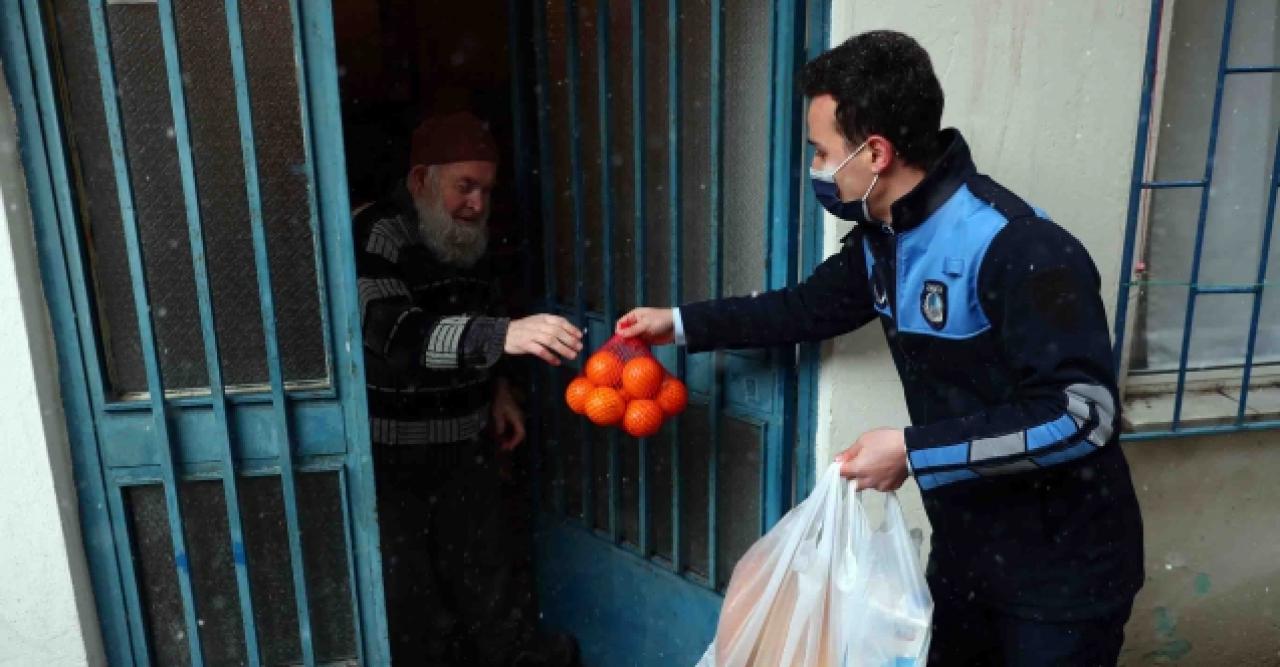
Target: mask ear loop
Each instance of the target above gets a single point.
(866, 213)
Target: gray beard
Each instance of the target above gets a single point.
(459, 244)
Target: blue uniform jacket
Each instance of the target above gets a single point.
(993, 317)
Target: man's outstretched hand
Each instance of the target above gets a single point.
(547, 337)
(652, 325)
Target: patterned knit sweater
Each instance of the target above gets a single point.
(432, 332)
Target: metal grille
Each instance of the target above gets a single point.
(1222, 298)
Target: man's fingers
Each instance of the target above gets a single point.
(560, 323)
(574, 332)
(541, 353)
(558, 346)
(553, 338)
(848, 470)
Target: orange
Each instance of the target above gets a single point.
(672, 396)
(604, 369)
(576, 394)
(643, 418)
(641, 377)
(604, 406)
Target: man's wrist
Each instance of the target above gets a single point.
(677, 327)
(906, 453)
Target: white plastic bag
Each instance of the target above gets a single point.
(825, 589)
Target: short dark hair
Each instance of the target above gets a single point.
(883, 83)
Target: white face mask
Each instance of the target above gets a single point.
(829, 175)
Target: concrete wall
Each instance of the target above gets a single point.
(1047, 94)
(46, 605)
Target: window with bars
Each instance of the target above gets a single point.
(1198, 326)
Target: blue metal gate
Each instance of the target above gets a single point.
(186, 171)
(668, 167)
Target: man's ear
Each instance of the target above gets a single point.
(416, 181)
(883, 154)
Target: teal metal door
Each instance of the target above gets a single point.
(185, 166)
(668, 170)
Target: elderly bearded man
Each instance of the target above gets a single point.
(440, 407)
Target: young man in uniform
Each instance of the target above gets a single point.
(993, 317)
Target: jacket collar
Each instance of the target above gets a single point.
(952, 169)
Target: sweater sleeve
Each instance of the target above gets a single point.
(405, 334)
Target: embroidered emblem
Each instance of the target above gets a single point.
(933, 304)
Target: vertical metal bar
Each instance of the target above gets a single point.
(208, 328)
(27, 66)
(783, 230)
(677, 272)
(716, 270)
(315, 52)
(579, 233)
(66, 207)
(524, 193)
(1135, 189)
(349, 544)
(313, 204)
(606, 210)
(128, 574)
(809, 357)
(1203, 213)
(639, 239)
(266, 298)
(1263, 258)
(546, 199)
(141, 303)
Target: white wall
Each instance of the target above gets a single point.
(46, 606)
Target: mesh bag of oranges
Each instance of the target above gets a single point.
(622, 384)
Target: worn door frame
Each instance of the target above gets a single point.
(30, 72)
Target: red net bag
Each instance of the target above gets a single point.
(626, 349)
(623, 384)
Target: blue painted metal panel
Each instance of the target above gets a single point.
(162, 440)
(133, 599)
(517, 29)
(546, 201)
(753, 387)
(266, 299)
(809, 356)
(603, 55)
(318, 427)
(142, 306)
(1135, 192)
(204, 299)
(783, 228)
(716, 278)
(634, 616)
(676, 255)
(579, 233)
(639, 239)
(1189, 319)
(315, 48)
(1263, 258)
